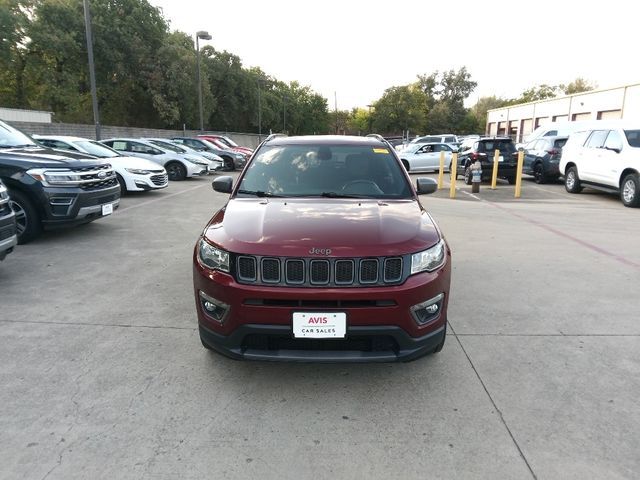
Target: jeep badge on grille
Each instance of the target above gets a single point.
(319, 251)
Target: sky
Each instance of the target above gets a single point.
(353, 50)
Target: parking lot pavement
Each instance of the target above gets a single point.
(103, 375)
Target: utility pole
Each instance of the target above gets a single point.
(92, 73)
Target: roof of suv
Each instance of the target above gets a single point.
(325, 140)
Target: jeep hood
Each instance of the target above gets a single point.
(351, 227)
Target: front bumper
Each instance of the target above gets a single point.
(402, 348)
(8, 237)
(380, 326)
(65, 207)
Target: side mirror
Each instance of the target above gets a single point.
(223, 184)
(426, 185)
(616, 149)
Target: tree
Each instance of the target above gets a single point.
(14, 20)
(479, 111)
(399, 109)
(577, 86)
(444, 99)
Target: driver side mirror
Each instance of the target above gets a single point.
(426, 185)
(223, 184)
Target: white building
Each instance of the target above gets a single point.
(19, 115)
(518, 121)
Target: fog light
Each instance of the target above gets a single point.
(428, 311)
(213, 308)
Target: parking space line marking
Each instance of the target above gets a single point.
(549, 228)
(486, 390)
(148, 202)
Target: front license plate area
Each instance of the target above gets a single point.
(107, 209)
(319, 324)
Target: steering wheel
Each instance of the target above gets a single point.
(364, 187)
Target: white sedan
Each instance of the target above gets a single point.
(134, 174)
(421, 157)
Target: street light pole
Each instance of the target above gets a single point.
(260, 84)
(204, 36)
(284, 114)
(92, 73)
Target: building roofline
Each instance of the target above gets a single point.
(564, 96)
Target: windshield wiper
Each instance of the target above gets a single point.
(341, 195)
(259, 193)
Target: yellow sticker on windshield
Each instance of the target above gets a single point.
(380, 150)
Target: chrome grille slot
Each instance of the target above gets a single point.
(344, 272)
(247, 269)
(369, 270)
(392, 269)
(271, 270)
(319, 272)
(294, 271)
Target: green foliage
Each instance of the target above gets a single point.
(577, 86)
(399, 109)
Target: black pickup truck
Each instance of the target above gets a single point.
(51, 188)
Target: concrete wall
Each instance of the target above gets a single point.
(20, 115)
(88, 131)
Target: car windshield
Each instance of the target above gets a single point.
(230, 142)
(168, 146)
(11, 137)
(97, 149)
(336, 171)
(502, 145)
(633, 137)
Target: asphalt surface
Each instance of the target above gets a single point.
(103, 376)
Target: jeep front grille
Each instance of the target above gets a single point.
(314, 272)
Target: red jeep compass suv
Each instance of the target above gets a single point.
(322, 253)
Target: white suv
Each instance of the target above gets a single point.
(605, 158)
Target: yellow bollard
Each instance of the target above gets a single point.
(454, 172)
(441, 171)
(494, 175)
(519, 173)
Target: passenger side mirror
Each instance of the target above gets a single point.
(223, 184)
(426, 185)
(616, 148)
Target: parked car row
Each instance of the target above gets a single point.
(53, 188)
(52, 181)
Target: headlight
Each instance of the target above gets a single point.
(137, 171)
(55, 177)
(428, 260)
(212, 257)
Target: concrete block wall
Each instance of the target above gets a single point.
(106, 131)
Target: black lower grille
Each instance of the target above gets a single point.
(373, 343)
(7, 232)
(160, 180)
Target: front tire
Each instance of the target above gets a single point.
(572, 181)
(176, 171)
(228, 164)
(406, 165)
(27, 217)
(630, 191)
(467, 175)
(123, 185)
